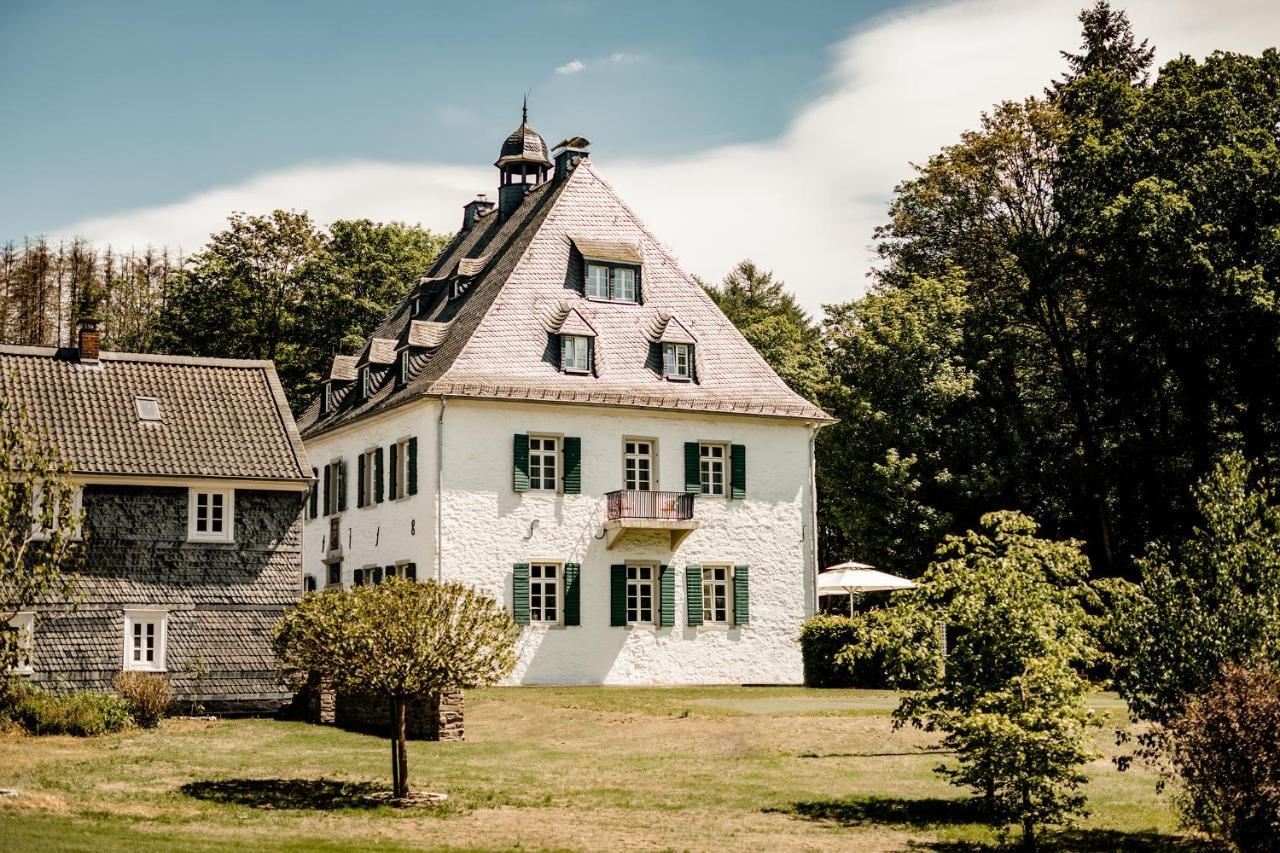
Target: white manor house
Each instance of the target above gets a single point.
(557, 413)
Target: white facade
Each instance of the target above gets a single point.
(483, 528)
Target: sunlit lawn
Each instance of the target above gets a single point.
(542, 768)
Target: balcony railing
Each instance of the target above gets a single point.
(660, 506)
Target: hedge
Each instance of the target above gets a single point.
(821, 638)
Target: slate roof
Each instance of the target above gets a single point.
(496, 338)
(219, 417)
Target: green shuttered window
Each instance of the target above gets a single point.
(520, 593)
(738, 471)
(693, 594)
(314, 497)
(411, 468)
(361, 478)
(572, 594)
(692, 474)
(667, 602)
(342, 486)
(618, 594)
(328, 498)
(393, 472)
(377, 475)
(572, 465)
(520, 470)
(741, 598)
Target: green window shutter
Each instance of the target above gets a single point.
(692, 473)
(520, 470)
(572, 594)
(361, 475)
(411, 467)
(391, 474)
(520, 593)
(314, 497)
(737, 471)
(572, 465)
(342, 486)
(328, 498)
(667, 600)
(411, 571)
(693, 594)
(741, 600)
(618, 594)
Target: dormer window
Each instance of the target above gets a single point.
(362, 382)
(611, 283)
(326, 398)
(574, 351)
(403, 370)
(677, 361)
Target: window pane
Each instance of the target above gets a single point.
(597, 281)
(624, 285)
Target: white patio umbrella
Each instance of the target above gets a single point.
(848, 578)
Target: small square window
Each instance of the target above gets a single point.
(148, 408)
(144, 639)
(211, 515)
(677, 361)
(573, 354)
(23, 625)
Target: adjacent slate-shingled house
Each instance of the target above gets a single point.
(192, 477)
(557, 413)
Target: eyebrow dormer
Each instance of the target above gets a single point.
(674, 349)
(341, 374)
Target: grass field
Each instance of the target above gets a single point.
(543, 768)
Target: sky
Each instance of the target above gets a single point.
(775, 131)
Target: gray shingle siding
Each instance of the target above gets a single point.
(223, 599)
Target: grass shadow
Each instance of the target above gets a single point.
(893, 811)
(1085, 841)
(314, 794)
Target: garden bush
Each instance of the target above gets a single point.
(83, 712)
(1226, 749)
(146, 694)
(821, 640)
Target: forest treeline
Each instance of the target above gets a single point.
(1076, 313)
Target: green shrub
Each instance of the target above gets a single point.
(147, 695)
(821, 639)
(85, 713)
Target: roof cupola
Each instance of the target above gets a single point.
(522, 165)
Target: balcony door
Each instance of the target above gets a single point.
(637, 465)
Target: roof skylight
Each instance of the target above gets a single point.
(148, 408)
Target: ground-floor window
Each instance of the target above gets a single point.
(640, 594)
(23, 626)
(544, 593)
(144, 639)
(333, 573)
(715, 595)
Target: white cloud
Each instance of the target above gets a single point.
(805, 204)
(623, 57)
(573, 66)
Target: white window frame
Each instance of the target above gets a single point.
(332, 568)
(366, 487)
(709, 583)
(39, 532)
(706, 462)
(577, 345)
(616, 292)
(677, 362)
(641, 584)
(402, 471)
(146, 616)
(592, 291)
(556, 458)
(362, 381)
(228, 532)
(24, 623)
(633, 483)
(401, 569)
(404, 365)
(537, 615)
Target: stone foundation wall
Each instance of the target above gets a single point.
(434, 717)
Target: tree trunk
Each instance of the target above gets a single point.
(395, 751)
(402, 751)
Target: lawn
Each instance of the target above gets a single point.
(542, 768)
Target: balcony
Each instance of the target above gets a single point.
(628, 510)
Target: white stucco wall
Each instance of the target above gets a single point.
(488, 527)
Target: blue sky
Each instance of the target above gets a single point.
(120, 105)
(770, 130)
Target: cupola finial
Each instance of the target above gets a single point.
(524, 111)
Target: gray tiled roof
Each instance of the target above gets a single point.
(496, 338)
(218, 417)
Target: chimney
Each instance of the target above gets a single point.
(570, 153)
(473, 210)
(90, 338)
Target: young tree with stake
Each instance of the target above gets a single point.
(399, 639)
